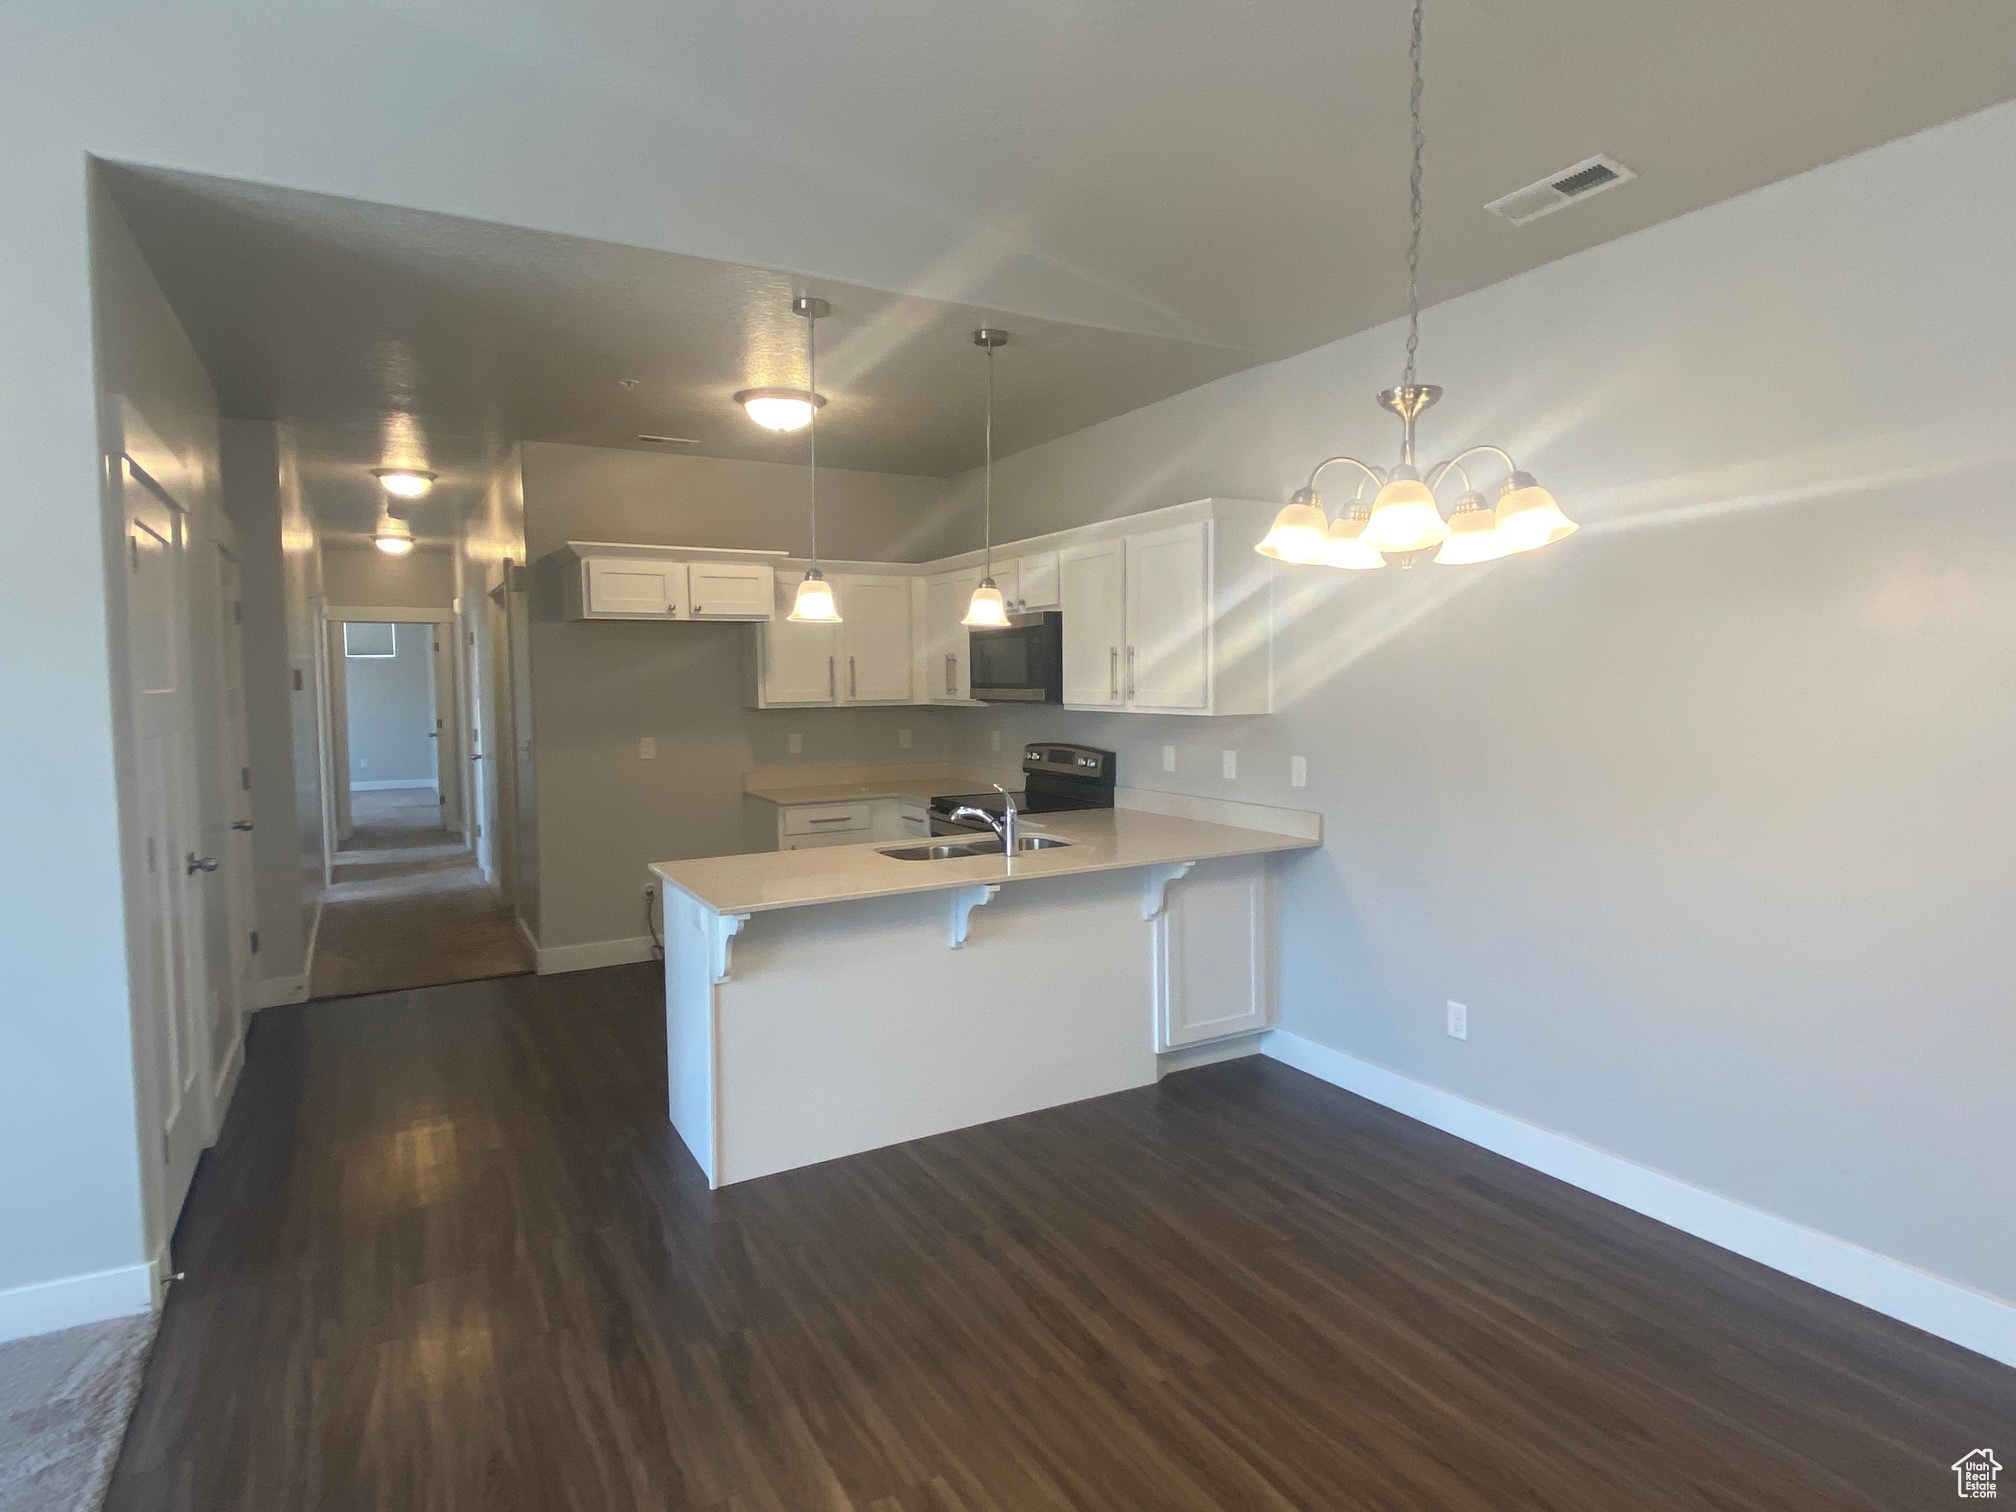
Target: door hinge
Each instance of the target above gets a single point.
(133, 552)
(472, 637)
(244, 779)
(150, 853)
(255, 942)
(237, 612)
(166, 1148)
(297, 680)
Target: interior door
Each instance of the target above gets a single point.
(480, 796)
(447, 738)
(875, 650)
(235, 749)
(1091, 589)
(168, 1018)
(1168, 618)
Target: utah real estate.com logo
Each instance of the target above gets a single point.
(1974, 1473)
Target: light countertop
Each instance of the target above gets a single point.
(917, 789)
(1101, 840)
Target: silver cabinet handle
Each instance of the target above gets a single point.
(842, 819)
(951, 674)
(243, 826)
(853, 680)
(1130, 674)
(197, 863)
(1113, 674)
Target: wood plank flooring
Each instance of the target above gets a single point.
(448, 1255)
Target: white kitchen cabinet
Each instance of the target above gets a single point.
(1212, 953)
(876, 651)
(945, 666)
(796, 664)
(627, 588)
(1036, 583)
(1092, 581)
(731, 590)
(1168, 618)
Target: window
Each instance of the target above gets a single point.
(369, 639)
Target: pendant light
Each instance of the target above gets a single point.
(987, 611)
(814, 601)
(1403, 519)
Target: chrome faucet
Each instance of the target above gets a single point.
(1005, 826)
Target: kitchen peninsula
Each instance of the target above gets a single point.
(826, 1001)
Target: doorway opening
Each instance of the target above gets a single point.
(409, 902)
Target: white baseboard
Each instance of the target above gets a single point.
(1184, 1057)
(418, 784)
(1972, 1319)
(271, 992)
(525, 933)
(73, 1300)
(227, 1080)
(587, 957)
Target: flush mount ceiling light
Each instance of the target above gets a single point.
(814, 601)
(404, 482)
(781, 409)
(393, 536)
(1401, 519)
(987, 611)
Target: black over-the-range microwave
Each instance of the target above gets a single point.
(1021, 662)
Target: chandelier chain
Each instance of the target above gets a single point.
(1414, 190)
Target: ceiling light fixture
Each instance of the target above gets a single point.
(987, 611)
(393, 536)
(781, 409)
(814, 601)
(404, 482)
(1402, 519)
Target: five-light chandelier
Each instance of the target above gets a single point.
(1401, 521)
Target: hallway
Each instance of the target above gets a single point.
(408, 907)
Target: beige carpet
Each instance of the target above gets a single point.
(408, 907)
(64, 1401)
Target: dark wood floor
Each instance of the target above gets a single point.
(449, 1255)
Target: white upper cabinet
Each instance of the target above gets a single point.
(1092, 592)
(876, 648)
(1168, 618)
(945, 665)
(628, 588)
(796, 664)
(1036, 583)
(731, 590)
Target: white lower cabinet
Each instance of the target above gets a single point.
(1213, 953)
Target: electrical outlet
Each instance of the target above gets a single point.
(795, 744)
(1168, 758)
(1459, 1020)
(362, 762)
(1298, 771)
(1229, 761)
(903, 739)
(647, 748)
(996, 739)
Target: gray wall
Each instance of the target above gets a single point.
(1706, 813)
(603, 814)
(365, 577)
(390, 707)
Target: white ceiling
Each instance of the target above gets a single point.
(1225, 183)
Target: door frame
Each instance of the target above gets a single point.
(454, 738)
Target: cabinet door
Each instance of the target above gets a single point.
(1213, 953)
(1168, 618)
(799, 662)
(947, 673)
(875, 649)
(626, 588)
(1036, 582)
(1092, 582)
(731, 590)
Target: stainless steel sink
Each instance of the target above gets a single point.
(986, 845)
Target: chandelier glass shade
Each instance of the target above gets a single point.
(1404, 521)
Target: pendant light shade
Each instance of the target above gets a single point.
(1298, 535)
(814, 603)
(988, 610)
(1404, 516)
(1528, 517)
(1346, 545)
(1473, 533)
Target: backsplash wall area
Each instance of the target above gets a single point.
(1705, 813)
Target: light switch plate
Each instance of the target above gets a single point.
(795, 744)
(1298, 771)
(647, 749)
(1459, 1020)
(1168, 758)
(903, 739)
(1229, 761)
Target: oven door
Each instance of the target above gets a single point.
(1021, 663)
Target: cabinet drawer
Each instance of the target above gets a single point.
(826, 818)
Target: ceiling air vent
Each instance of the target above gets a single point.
(668, 440)
(1588, 177)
